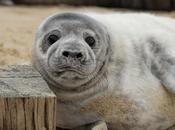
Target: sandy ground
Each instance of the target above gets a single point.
(18, 26)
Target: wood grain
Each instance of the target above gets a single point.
(26, 102)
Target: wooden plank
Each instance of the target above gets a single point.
(26, 102)
(141, 4)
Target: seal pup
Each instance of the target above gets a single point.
(117, 69)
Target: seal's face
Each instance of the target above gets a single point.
(70, 49)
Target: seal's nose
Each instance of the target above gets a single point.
(73, 54)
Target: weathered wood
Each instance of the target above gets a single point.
(26, 102)
(139, 4)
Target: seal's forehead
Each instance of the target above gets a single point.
(70, 17)
(65, 24)
(57, 19)
(79, 20)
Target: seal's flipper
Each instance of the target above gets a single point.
(99, 125)
(160, 58)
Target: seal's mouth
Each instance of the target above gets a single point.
(67, 69)
(68, 75)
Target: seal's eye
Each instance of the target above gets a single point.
(52, 38)
(90, 41)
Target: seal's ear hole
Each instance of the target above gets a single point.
(90, 41)
(49, 39)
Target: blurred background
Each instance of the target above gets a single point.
(19, 20)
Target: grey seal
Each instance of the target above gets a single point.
(115, 70)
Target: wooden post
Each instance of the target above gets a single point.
(26, 102)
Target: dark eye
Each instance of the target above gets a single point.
(53, 38)
(90, 41)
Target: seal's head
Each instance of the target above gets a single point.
(70, 49)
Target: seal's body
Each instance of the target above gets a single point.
(117, 68)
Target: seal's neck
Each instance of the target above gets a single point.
(84, 92)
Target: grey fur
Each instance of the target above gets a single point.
(162, 64)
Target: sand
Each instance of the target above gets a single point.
(18, 25)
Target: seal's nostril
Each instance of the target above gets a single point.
(72, 54)
(65, 53)
(79, 55)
